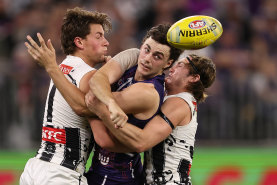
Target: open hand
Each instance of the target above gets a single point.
(44, 54)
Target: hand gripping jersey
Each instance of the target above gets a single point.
(122, 168)
(66, 137)
(169, 162)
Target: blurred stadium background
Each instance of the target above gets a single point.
(236, 141)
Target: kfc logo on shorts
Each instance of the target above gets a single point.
(65, 69)
(53, 135)
(197, 24)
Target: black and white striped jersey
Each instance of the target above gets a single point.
(66, 137)
(169, 162)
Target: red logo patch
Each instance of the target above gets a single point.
(197, 24)
(195, 105)
(53, 135)
(65, 69)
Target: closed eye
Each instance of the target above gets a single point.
(99, 35)
(180, 64)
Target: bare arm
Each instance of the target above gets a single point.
(105, 139)
(155, 131)
(110, 73)
(140, 99)
(46, 57)
(100, 86)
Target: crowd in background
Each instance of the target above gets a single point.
(243, 101)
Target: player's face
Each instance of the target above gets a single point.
(95, 44)
(178, 75)
(153, 58)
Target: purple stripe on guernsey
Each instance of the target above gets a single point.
(120, 167)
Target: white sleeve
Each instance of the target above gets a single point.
(127, 58)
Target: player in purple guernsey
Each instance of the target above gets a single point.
(143, 86)
(123, 168)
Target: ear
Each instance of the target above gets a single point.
(194, 78)
(79, 42)
(168, 64)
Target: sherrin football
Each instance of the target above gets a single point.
(194, 32)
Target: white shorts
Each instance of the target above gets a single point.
(39, 172)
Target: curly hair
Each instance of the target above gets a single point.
(207, 72)
(76, 23)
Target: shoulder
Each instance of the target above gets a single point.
(184, 96)
(176, 103)
(84, 82)
(142, 88)
(127, 58)
(176, 109)
(144, 92)
(131, 51)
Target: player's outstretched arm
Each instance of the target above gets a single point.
(45, 56)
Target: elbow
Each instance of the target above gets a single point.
(92, 83)
(140, 147)
(80, 111)
(139, 143)
(103, 143)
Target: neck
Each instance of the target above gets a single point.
(174, 90)
(140, 77)
(85, 59)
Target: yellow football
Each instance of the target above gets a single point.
(194, 32)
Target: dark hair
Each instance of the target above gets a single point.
(76, 23)
(207, 71)
(158, 33)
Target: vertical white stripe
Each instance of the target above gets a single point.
(104, 181)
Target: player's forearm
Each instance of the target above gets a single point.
(105, 139)
(100, 86)
(74, 97)
(113, 145)
(130, 136)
